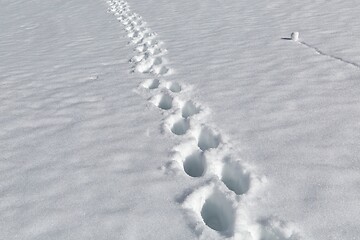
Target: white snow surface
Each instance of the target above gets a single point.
(179, 119)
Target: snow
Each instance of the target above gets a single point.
(295, 36)
(179, 120)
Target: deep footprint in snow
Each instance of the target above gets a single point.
(195, 164)
(180, 127)
(235, 178)
(213, 207)
(158, 61)
(163, 101)
(208, 139)
(151, 83)
(189, 109)
(174, 87)
(145, 65)
(218, 213)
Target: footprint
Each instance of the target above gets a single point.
(208, 139)
(195, 164)
(174, 87)
(274, 228)
(151, 83)
(130, 28)
(235, 178)
(150, 64)
(163, 101)
(158, 61)
(155, 50)
(121, 18)
(189, 109)
(141, 48)
(160, 70)
(180, 127)
(146, 48)
(211, 208)
(149, 40)
(134, 34)
(218, 213)
(137, 58)
(144, 66)
(145, 38)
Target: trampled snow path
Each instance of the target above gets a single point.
(220, 206)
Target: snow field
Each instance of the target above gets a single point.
(77, 148)
(295, 37)
(219, 206)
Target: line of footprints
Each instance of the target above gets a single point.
(211, 208)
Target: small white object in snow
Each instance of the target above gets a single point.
(295, 36)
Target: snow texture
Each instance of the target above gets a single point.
(202, 151)
(215, 126)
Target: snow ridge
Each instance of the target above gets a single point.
(222, 206)
(317, 50)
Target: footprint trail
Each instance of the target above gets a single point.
(218, 206)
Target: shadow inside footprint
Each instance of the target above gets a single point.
(164, 101)
(160, 70)
(151, 83)
(189, 109)
(218, 213)
(208, 139)
(234, 177)
(158, 61)
(174, 87)
(180, 127)
(194, 165)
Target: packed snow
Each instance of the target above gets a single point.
(180, 120)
